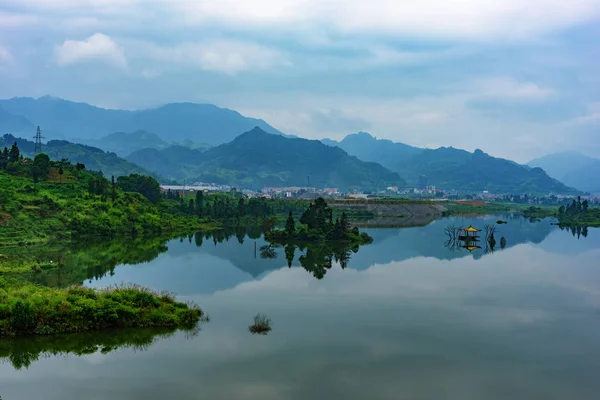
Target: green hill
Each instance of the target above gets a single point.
(93, 158)
(257, 158)
(450, 168)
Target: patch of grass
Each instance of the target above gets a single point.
(261, 326)
(29, 309)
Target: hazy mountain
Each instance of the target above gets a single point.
(15, 123)
(572, 168)
(94, 159)
(200, 123)
(368, 148)
(450, 168)
(257, 158)
(124, 143)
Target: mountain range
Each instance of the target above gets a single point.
(572, 168)
(450, 168)
(186, 141)
(94, 158)
(257, 158)
(200, 123)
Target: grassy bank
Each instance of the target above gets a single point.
(27, 309)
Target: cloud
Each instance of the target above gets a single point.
(226, 56)
(5, 55)
(335, 120)
(96, 47)
(509, 89)
(470, 19)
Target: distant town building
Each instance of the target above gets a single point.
(423, 182)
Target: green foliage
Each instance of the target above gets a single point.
(145, 185)
(36, 213)
(579, 213)
(319, 227)
(29, 309)
(91, 157)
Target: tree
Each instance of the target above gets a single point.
(145, 185)
(14, 154)
(290, 224)
(241, 208)
(4, 158)
(345, 224)
(317, 215)
(81, 167)
(199, 203)
(113, 189)
(584, 206)
(40, 167)
(61, 171)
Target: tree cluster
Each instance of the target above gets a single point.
(575, 208)
(220, 206)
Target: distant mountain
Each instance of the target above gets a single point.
(368, 148)
(200, 123)
(572, 168)
(450, 168)
(14, 123)
(124, 143)
(94, 159)
(257, 158)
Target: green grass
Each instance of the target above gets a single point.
(28, 309)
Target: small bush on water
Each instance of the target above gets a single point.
(43, 311)
(261, 326)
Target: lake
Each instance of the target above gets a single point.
(410, 317)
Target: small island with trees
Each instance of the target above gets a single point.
(318, 226)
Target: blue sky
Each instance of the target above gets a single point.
(515, 78)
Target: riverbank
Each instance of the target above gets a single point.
(28, 309)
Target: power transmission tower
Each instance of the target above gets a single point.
(38, 141)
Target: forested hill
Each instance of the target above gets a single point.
(257, 158)
(451, 168)
(94, 159)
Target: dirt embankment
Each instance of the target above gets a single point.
(394, 210)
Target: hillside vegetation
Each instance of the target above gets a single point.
(94, 158)
(257, 158)
(450, 168)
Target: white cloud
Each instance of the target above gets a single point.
(467, 19)
(227, 56)
(5, 55)
(509, 89)
(96, 47)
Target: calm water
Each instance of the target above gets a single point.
(409, 318)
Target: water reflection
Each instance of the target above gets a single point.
(22, 352)
(92, 261)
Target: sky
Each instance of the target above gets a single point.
(515, 78)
